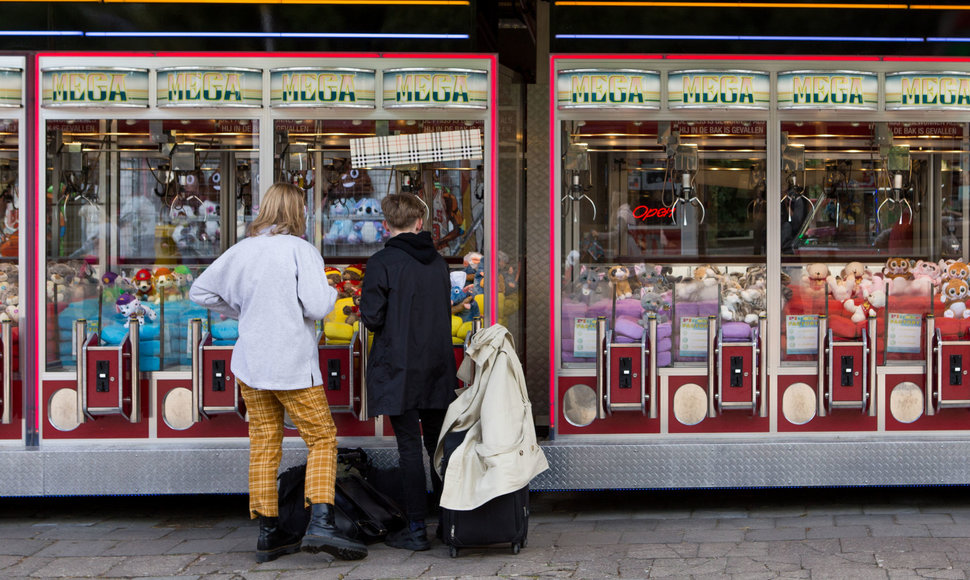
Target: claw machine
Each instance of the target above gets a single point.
(17, 426)
(760, 271)
(152, 166)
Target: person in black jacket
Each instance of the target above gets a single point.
(406, 301)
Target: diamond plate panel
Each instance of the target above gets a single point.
(753, 464)
(537, 250)
(21, 473)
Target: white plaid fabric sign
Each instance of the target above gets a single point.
(417, 148)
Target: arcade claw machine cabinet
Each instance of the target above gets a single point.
(153, 166)
(422, 128)
(16, 423)
(761, 272)
(660, 243)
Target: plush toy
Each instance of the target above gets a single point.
(130, 306)
(956, 270)
(841, 289)
(620, 281)
(859, 308)
(754, 302)
(333, 275)
(354, 273)
(342, 227)
(816, 276)
(653, 302)
(471, 262)
(707, 274)
(60, 274)
(463, 304)
(353, 309)
(731, 305)
(209, 211)
(11, 312)
(653, 278)
(165, 283)
(898, 268)
(367, 228)
(954, 295)
(590, 278)
(926, 276)
(856, 270)
(144, 287)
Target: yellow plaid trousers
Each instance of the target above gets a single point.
(310, 413)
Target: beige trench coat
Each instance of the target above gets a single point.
(500, 453)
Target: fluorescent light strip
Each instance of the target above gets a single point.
(353, 35)
(814, 5)
(736, 37)
(41, 33)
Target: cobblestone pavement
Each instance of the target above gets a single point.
(749, 534)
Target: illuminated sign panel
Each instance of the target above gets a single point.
(11, 87)
(435, 88)
(608, 89)
(828, 90)
(718, 89)
(317, 87)
(210, 87)
(90, 87)
(948, 91)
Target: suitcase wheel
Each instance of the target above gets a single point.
(453, 551)
(515, 548)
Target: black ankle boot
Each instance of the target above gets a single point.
(274, 542)
(322, 535)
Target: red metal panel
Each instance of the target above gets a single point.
(836, 420)
(105, 427)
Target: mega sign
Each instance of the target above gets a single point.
(106, 87)
(194, 87)
(623, 89)
(928, 91)
(314, 87)
(827, 90)
(719, 89)
(11, 87)
(438, 88)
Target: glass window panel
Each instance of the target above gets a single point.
(663, 200)
(862, 200)
(135, 210)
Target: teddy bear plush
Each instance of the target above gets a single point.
(620, 281)
(816, 276)
(841, 289)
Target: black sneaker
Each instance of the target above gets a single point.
(408, 539)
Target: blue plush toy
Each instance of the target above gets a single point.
(463, 305)
(342, 228)
(368, 228)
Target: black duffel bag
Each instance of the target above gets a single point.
(361, 512)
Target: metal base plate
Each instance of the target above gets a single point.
(577, 464)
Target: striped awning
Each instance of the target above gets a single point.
(417, 148)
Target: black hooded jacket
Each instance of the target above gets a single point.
(406, 302)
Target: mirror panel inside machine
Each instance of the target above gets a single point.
(667, 220)
(872, 218)
(348, 166)
(135, 209)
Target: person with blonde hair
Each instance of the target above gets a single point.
(274, 283)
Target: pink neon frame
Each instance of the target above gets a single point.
(35, 264)
(554, 162)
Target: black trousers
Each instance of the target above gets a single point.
(408, 429)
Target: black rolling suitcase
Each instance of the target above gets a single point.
(504, 519)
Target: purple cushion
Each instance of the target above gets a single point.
(663, 345)
(628, 307)
(663, 330)
(600, 308)
(688, 309)
(663, 359)
(707, 309)
(735, 331)
(628, 327)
